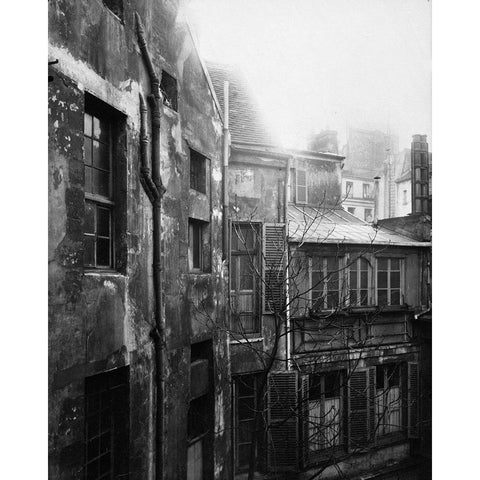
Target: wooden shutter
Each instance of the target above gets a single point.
(273, 258)
(304, 422)
(283, 438)
(361, 408)
(412, 400)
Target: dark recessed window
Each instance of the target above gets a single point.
(198, 172)
(351, 210)
(107, 419)
(115, 6)
(198, 250)
(168, 86)
(98, 238)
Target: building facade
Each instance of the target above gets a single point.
(324, 355)
(138, 376)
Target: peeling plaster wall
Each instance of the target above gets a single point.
(102, 320)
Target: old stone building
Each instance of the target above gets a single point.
(325, 358)
(138, 376)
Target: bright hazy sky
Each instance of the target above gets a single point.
(319, 64)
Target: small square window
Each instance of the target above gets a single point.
(168, 86)
(351, 210)
(198, 172)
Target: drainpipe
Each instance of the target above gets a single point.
(376, 189)
(226, 147)
(155, 190)
(286, 199)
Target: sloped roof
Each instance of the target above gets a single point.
(316, 225)
(245, 117)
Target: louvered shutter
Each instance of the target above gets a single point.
(358, 409)
(412, 405)
(372, 418)
(283, 438)
(273, 258)
(304, 422)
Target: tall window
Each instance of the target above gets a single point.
(389, 281)
(244, 271)
(359, 273)
(106, 425)
(197, 431)
(301, 186)
(325, 282)
(388, 405)
(368, 215)
(349, 189)
(246, 404)
(325, 411)
(99, 205)
(198, 251)
(198, 171)
(366, 190)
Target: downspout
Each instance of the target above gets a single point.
(286, 198)
(376, 194)
(155, 190)
(226, 148)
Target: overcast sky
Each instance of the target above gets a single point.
(319, 64)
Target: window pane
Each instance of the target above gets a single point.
(395, 280)
(332, 264)
(246, 386)
(332, 385)
(364, 279)
(89, 219)
(383, 264)
(424, 176)
(246, 408)
(103, 222)
(301, 194)
(87, 124)
(103, 252)
(101, 182)
(382, 297)
(89, 250)
(88, 179)
(87, 145)
(353, 280)
(245, 431)
(101, 157)
(382, 279)
(332, 299)
(100, 129)
(380, 377)
(301, 178)
(363, 297)
(395, 264)
(353, 297)
(395, 297)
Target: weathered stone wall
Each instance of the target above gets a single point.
(101, 320)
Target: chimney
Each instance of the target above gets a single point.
(420, 176)
(376, 199)
(325, 142)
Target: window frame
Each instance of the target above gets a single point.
(370, 270)
(98, 201)
(321, 427)
(324, 273)
(384, 426)
(194, 224)
(198, 167)
(256, 396)
(301, 186)
(401, 288)
(254, 256)
(349, 191)
(365, 216)
(366, 190)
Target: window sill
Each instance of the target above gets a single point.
(102, 272)
(246, 340)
